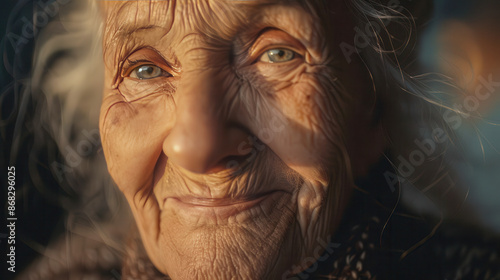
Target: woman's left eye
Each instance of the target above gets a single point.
(277, 55)
(146, 72)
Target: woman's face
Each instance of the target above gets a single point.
(225, 125)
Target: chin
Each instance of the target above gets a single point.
(227, 243)
(225, 225)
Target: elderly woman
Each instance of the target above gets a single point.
(250, 140)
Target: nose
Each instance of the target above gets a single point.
(204, 138)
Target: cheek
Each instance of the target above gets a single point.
(132, 136)
(301, 119)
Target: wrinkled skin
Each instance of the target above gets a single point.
(234, 166)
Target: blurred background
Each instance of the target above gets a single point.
(462, 41)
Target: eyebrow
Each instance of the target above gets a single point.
(128, 30)
(123, 34)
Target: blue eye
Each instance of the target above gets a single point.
(277, 55)
(146, 72)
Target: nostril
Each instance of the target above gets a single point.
(229, 163)
(233, 163)
(239, 154)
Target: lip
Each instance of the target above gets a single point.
(220, 208)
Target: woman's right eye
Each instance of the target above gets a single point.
(147, 72)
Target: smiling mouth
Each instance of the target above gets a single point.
(221, 202)
(221, 207)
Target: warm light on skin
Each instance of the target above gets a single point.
(176, 148)
(207, 202)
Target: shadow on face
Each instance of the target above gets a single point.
(226, 125)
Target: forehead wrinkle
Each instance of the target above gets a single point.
(217, 20)
(214, 25)
(126, 20)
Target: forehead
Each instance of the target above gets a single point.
(215, 18)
